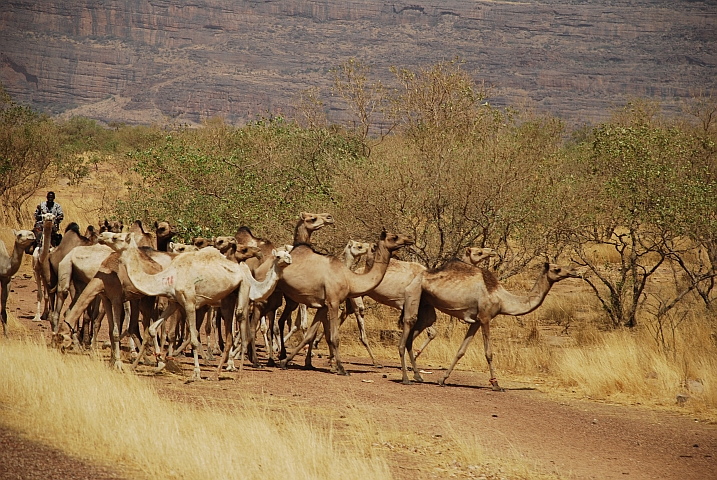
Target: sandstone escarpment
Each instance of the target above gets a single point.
(152, 60)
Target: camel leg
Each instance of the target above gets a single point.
(331, 328)
(113, 315)
(357, 304)
(472, 329)
(228, 339)
(310, 334)
(289, 307)
(489, 356)
(411, 306)
(431, 332)
(41, 294)
(426, 319)
(4, 294)
(189, 302)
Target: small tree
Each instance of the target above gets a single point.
(28, 147)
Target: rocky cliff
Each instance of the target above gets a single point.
(153, 60)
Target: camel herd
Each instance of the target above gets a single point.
(243, 281)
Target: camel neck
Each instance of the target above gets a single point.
(15, 260)
(302, 235)
(523, 304)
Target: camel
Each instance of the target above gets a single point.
(306, 225)
(324, 282)
(474, 256)
(202, 242)
(114, 226)
(49, 267)
(180, 248)
(39, 261)
(78, 267)
(112, 285)
(473, 295)
(350, 255)
(164, 232)
(191, 281)
(399, 274)
(9, 265)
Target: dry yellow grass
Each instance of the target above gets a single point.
(72, 402)
(616, 365)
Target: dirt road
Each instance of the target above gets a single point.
(573, 438)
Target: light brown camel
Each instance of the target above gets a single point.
(141, 236)
(202, 242)
(78, 267)
(114, 226)
(9, 265)
(192, 280)
(324, 282)
(350, 255)
(473, 295)
(474, 256)
(71, 239)
(114, 288)
(40, 261)
(264, 312)
(180, 248)
(399, 275)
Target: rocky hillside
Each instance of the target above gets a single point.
(159, 60)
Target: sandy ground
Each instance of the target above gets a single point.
(573, 438)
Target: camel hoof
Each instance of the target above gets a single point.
(418, 378)
(196, 376)
(271, 363)
(495, 387)
(282, 364)
(406, 381)
(160, 366)
(442, 382)
(118, 366)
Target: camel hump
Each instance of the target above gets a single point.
(73, 227)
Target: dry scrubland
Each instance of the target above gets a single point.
(631, 201)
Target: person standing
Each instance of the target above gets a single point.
(50, 206)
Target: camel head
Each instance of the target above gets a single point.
(114, 226)
(118, 242)
(23, 238)
(164, 230)
(357, 249)
(243, 252)
(394, 241)
(203, 242)
(283, 257)
(224, 243)
(475, 255)
(315, 221)
(181, 248)
(91, 233)
(555, 273)
(48, 219)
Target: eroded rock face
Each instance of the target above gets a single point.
(144, 60)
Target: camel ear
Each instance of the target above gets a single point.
(156, 225)
(171, 245)
(383, 234)
(274, 253)
(107, 224)
(468, 251)
(303, 215)
(14, 232)
(546, 266)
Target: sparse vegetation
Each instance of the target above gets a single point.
(632, 200)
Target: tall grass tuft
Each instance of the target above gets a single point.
(83, 408)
